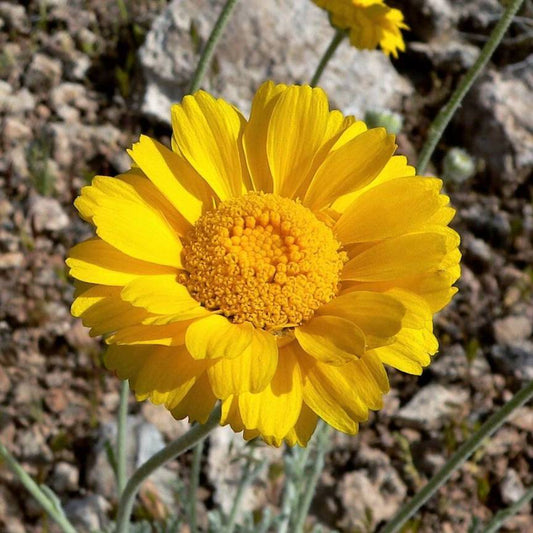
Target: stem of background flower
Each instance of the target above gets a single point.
(246, 478)
(209, 48)
(294, 480)
(175, 448)
(47, 500)
(322, 445)
(446, 113)
(328, 54)
(500, 517)
(122, 424)
(458, 458)
(193, 486)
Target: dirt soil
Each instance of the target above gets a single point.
(70, 100)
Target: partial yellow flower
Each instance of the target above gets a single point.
(274, 264)
(370, 23)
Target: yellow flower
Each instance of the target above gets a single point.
(370, 22)
(275, 264)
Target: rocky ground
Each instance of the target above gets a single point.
(79, 81)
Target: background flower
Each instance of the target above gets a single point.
(370, 23)
(275, 264)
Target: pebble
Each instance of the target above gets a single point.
(511, 487)
(15, 17)
(512, 329)
(89, 513)
(65, 477)
(5, 383)
(48, 215)
(44, 72)
(431, 406)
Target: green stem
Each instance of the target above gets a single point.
(293, 487)
(210, 46)
(501, 516)
(122, 424)
(458, 458)
(246, 478)
(50, 505)
(195, 434)
(328, 54)
(446, 113)
(193, 486)
(322, 444)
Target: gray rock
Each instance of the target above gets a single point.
(5, 382)
(144, 441)
(514, 360)
(65, 478)
(15, 103)
(429, 408)
(447, 55)
(489, 222)
(478, 250)
(481, 14)
(43, 73)
(14, 17)
(68, 99)
(257, 45)
(76, 69)
(15, 130)
(512, 329)
(33, 447)
(496, 119)
(73, 142)
(88, 514)
(11, 260)
(224, 469)
(48, 215)
(511, 487)
(452, 365)
(371, 494)
(430, 18)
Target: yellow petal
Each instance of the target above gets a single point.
(406, 255)
(251, 371)
(435, 287)
(275, 410)
(342, 395)
(125, 221)
(255, 135)
(162, 295)
(208, 132)
(95, 261)
(331, 339)
(164, 375)
(174, 177)
(166, 335)
(290, 154)
(148, 193)
(332, 401)
(101, 309)
(378, 315)
(410, 352)
(396, 167)
(352, 166)
(388, 210)
(197, 403)
(215, 336)
(303, 429)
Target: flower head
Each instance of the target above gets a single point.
(369, 22)
(275, 264)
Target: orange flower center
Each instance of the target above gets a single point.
(263, 259)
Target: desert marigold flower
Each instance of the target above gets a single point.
(275, 264)
(370, 23)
